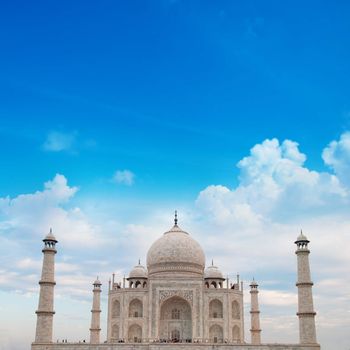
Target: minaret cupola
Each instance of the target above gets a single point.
(302, 242)
(138, 276)
(50, 240)
(213, 277)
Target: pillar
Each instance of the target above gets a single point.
(95, 314)
(255, 314)
(306, 313)
(47, 284)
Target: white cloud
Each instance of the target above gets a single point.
(274, 184)
(125, 177)
(277, 298)
(28, 263)
(337, 156)
(57, 141)
(35, 213)
(276, 196)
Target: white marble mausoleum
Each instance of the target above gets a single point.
(175, 302)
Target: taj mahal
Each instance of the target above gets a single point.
(176, 302)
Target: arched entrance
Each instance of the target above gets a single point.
(115, 333)
(236, 336)
(215, 309)
(135, 308)
(135, 334)
(175, 322)
(216, 334)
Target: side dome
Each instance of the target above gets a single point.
(175, 252)
(213, 272)
(138, 271)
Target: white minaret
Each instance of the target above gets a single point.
(255, 314)
(306, 313)
(46, 297)
(95, 314)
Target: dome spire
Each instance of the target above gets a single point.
(175, 218)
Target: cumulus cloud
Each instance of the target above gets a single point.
(89, 247)
(274, 183)
(275, 197)
(34, 213)
(124, 177)
(337, 156)
(57, 141)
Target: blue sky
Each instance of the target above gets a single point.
(143, 107)
(176, 90)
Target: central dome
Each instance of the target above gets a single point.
(176, 252)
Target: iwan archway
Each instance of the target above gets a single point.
(175, 322)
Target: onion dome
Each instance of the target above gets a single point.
(138, 271)
(213, 272)
(176, 252)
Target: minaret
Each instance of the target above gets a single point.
(255, 314)
(306, 313)
(95, 314)
(46, 297)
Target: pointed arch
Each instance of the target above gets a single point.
(216, 334)
(136, 308)
(236, 312)
(115, 332)
(115, 309)
(215, 309)
(135, 334)
(236, 334)
(175, 319)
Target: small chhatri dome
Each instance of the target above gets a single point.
(176, 252)
(50, 236)
(302, 238)
(253, 283)
(97, 282)
(213, 272)
(138, 271)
